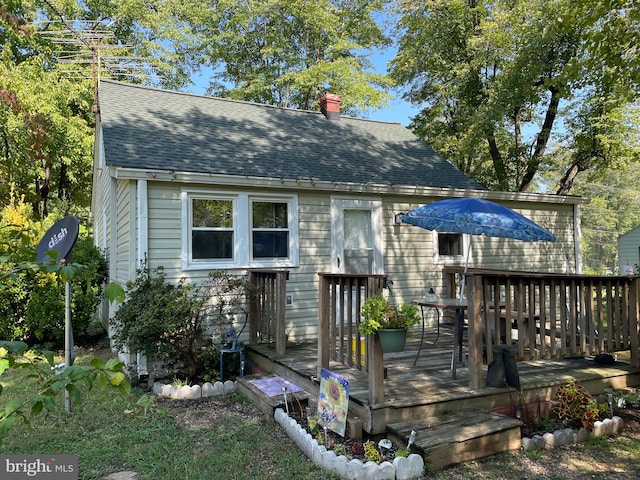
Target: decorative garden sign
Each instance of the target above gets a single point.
(333, 402)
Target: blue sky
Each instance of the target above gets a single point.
(398, 110)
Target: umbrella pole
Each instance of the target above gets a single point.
(460, 316)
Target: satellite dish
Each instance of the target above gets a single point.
(59, 239)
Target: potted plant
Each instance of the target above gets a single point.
(389, 322)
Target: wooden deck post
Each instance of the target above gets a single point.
(324, 305)
(474, 303)
(375, 365)
(281, 313)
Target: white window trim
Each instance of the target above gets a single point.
(241, 231)
(449, 259)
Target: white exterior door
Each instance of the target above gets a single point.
(356, 236)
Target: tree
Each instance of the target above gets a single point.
(287, 53)
(45, 119)
(506, 83)
(613, 209)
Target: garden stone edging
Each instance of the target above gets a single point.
(187, 392)
(568, 436)
(402, 468)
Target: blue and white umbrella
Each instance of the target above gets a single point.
(475, 216)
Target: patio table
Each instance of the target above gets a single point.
(443, 304)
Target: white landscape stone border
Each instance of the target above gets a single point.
(402, 468)
(187, 392)
(568, 436)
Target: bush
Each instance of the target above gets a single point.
(170, 323)
(32, 302)
(32, 305)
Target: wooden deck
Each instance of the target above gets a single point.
(427, 389)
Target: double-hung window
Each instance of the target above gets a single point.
(211, 229)
(239, 230)
(269, 229)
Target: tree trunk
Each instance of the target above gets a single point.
(498, 163)
(541, 142)
(566, 182)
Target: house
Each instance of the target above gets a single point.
(629, 251)
(305, 191)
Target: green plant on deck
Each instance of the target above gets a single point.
(377, 314)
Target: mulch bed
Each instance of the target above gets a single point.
(353, 449)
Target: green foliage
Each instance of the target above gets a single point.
(172, 323)
(371, 452)
(613, 209)
(576, 407)
(510, 90)
(403, 452)
(32, 297)
(44, 316)
(47, 136)
(49, 382)
(623, 398)
(289, 53)
(377, 313)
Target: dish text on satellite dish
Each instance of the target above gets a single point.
(61, 238)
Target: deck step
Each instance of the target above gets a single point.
(268, 404)
(460, 437)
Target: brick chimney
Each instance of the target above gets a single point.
(330, 106)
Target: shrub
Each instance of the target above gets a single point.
(171, 323)
(32, 302)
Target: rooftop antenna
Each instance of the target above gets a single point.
(90, 42)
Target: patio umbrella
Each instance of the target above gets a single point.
(475, 216)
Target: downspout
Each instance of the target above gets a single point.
(142, 250)
(577, 238)
(143, 221)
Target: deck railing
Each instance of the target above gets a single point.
(548, 315)
(340, 299)
(268, 308)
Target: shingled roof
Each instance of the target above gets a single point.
(148, 128)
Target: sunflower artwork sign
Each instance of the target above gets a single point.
(333, 402)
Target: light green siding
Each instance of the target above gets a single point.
(408, 251)
(629, 249)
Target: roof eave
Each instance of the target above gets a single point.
(126, 173)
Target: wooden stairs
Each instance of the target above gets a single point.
(459, 437)
(442, 441)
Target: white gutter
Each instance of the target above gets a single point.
(335, 187)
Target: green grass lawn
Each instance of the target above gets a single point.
(223, 438)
